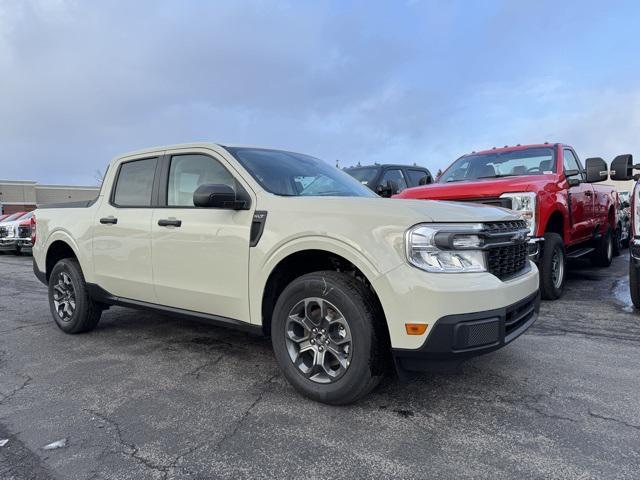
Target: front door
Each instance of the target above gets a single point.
(581, 200)
(122, 232)
(200, 255)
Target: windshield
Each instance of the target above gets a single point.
(294, 174)
(364, 175)
(530, 161)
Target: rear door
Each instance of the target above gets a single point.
(580, 199)
(122, 231)
(200, 255)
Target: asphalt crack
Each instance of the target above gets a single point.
(196, 372)
(27, 380)
(612, 419)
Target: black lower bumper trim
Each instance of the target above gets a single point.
(457, 337)
(39, 275)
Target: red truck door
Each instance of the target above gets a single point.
(580, 199)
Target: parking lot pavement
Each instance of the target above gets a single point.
(147, 396)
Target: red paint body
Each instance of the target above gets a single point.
(593, 207)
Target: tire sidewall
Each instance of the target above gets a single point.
(553, 242)
(358, 371)
(634, 284)
(70, 269)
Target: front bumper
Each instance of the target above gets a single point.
(25, 245)
(535, 245)
(458, 337)
(8, 244)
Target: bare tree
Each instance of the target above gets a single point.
(98, 176)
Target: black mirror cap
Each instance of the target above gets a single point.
(597, 170)
(622, 167)
(218, 196)
(571, 173)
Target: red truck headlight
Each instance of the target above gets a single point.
(525, 204)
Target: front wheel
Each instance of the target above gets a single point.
(328, 337)
(552, 265)
(71, 307)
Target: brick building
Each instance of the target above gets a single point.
(17, 196)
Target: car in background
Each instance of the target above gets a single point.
(622, 170)
(388, 179)
(9, 232)
(624, 221)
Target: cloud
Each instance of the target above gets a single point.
(81, 82)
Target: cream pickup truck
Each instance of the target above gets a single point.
(287, 246)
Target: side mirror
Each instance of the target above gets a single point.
(387, 190)
(596, 170)
(218, 196)
(573, 182)
(622, 167)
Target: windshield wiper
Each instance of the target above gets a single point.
(499, 175)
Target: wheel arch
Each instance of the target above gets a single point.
(306, 260)
(57, 249)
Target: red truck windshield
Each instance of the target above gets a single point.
(530, 161)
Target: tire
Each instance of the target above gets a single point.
(603, 255)
(355, 315)
(634, 284)
(617, 241)
(69, 301)
(553, 267)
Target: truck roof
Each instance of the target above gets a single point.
(378, 165)
(515, 148)
(195, 145)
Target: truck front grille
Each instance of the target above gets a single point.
(508, 257)
(495, 202)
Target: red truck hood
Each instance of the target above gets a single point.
(489, 188)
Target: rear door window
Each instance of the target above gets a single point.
(418, 177)
(134, 185)
(396, 176)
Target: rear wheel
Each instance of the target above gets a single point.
(617, 241)
(328, 337)
(553, 266)
(603, 255)
(71, 307)
(634, 284)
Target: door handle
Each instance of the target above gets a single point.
(109, 220)
(165, 222)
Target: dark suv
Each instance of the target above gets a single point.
(387, 179)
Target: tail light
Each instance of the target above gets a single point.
(33, 230)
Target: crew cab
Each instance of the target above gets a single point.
(389, 179)
(338, 277)
(567, 215)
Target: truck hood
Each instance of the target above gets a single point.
(487, 188)
(391, 211)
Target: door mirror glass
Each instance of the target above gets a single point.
(597, 170)
(217, 196)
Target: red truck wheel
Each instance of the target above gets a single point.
(604, 250)
(552, 267)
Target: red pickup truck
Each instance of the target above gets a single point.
(567, 215)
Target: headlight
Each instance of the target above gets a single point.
(446, 248)
(525, 204)
(635, 211)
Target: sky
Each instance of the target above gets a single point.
(356, 81)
